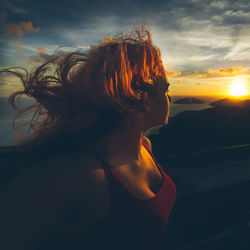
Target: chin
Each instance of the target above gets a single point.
(165, 121)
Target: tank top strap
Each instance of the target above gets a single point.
(105, 165)
(116, 190)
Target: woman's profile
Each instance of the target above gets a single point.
(96, 183)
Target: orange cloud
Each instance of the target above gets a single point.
(234, 70)
(180, 82)
(19, 28)
(170, 72)
(41, 50)
(173, 74)
(222, 72)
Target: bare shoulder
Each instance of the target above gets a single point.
(85, 176)
(44, 192)
(80, 180)
(85, 191)
(66, 175)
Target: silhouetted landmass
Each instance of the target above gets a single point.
(227, 102)
(226, 124)
(212, 188)
(189, 100)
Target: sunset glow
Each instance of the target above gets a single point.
(238, 88)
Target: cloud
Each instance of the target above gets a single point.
(234, 70)
(43, 57)
(217, 4)
(193, 34)
(202, 58)
(2, 83)
(15, 10)
(19, 28)
(222, 72)
(41, 50)
(170, 72)
(20, 49)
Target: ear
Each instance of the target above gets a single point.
(146, 101)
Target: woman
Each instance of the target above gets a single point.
(97, 184)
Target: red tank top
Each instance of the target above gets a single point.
(132, 222)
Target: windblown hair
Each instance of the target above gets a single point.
(85, 95)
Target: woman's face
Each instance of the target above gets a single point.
(160, 105)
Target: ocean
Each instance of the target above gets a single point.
(7, 114)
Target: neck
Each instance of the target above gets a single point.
(121, 147)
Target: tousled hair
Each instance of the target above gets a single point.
(85, 95)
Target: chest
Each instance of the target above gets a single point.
(144, 180)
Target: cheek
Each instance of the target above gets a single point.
(165, 110)
(165, 105)
(162, 110)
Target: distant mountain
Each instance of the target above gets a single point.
(227, 102)
(189, 100)
(227, 123)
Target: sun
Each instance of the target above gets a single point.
(238, 88)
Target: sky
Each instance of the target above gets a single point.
(204, 44)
